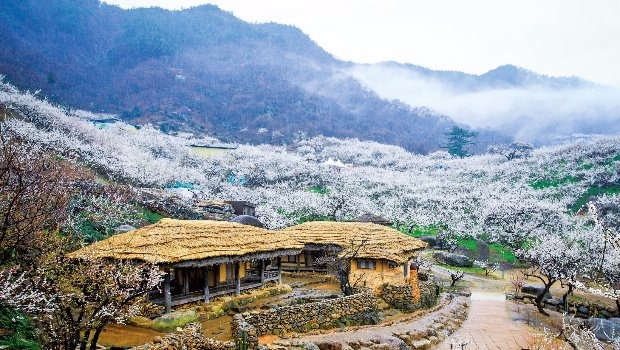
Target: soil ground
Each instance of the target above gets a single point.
(312, 286)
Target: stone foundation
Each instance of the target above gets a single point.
(190, 337)
(359, 309)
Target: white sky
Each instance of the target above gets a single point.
(554, 37)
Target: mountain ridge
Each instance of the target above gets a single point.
(204, 70)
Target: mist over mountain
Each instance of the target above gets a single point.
(512, 100)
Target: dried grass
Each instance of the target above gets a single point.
(381, 242)
(173, 241)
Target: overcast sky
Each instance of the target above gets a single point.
(554, 37)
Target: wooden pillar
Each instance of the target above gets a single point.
(206, 284)
(298, 260)
(307, 259)
(279, 270)
(167, 296)
(262, 272)
(407, 269)
(237, 278)
(185, 274)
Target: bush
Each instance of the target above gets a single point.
(21, 334)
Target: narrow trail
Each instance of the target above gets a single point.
(489, 324)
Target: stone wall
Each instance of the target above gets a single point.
(358, 309)
(408, 297)
(580, 309)
(190, 337)
(244, 334)
(400, 297)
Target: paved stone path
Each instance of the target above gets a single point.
(489, 326)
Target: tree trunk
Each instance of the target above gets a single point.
(84, 339)
(93, 343)
(539, 298)
(565, 297)
(618, 306)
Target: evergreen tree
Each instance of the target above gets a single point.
(458, 139)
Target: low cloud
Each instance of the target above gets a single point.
(533, 113)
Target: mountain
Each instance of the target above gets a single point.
(511, 100)
(202, 70)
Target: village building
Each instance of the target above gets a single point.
(202, 258)
(383, 254)
(242, 207)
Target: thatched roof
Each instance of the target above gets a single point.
(381, 242)
(192, 243)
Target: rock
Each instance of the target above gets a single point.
(454, 259)
(124, 228)
(583, 310)
(553, 302)
(421, 344)
(535, 290)
(431, 240)
(615, 319)
(329, 345)
(604, 330)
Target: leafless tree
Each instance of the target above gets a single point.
(338, 262)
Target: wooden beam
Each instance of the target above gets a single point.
(262, 272)
(307, 254)
(298, 260)
(167, 296)
(185, 274)
(206, 284)
(279, 270)
(237, 278)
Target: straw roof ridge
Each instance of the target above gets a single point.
(174, 241)
(380, 242)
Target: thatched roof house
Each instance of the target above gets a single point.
(193, 243)
(381, 242)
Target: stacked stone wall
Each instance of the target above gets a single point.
(190, 337)
(408, 297)
(358, 309)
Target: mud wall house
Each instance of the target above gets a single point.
(384, 255)
(202, 258)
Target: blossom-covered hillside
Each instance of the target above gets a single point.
(327, 177)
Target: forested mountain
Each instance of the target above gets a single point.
(201, 70)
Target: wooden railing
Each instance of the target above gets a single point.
(271, 275)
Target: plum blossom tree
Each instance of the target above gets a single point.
(556, 257)
(88, 295)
